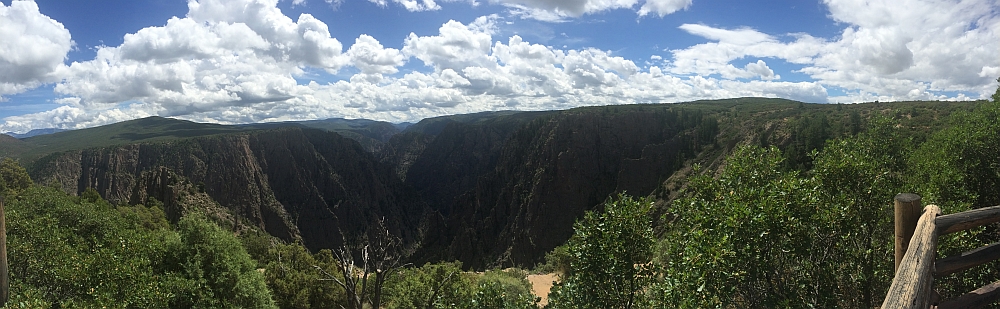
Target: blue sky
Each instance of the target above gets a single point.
(77, 64)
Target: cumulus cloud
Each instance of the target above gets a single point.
(890, 50)
(561, 10)
(245, 61)
(904, 45)
(411, 5)
(368, 55)
(457, 46)
(32, 47)
(224, 71)
(742, 36)
(663, 7)
(761, 69)
(221, 54)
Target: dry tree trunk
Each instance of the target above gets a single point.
(4, 282)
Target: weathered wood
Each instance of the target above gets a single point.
(907, 211)
(911, 288)
(965, 220)
(4, 280)
(979, 298)
(966, 260)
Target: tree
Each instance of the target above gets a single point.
(747, 239)
(290, 273)
(13, 177)
(381, 255)
(65, 252)
(432, 286)
(611, 254)
(996, 95)
(860, 175)
(217, 270)
(958, 169)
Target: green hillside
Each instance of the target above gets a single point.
(159, 129)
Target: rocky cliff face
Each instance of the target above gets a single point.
(290, 182)
(511, 196)
(487, 189)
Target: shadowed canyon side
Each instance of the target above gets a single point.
(291, 182)
(487, 189)
(529, 186)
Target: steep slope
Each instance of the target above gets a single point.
(545, 175)
(289, 182)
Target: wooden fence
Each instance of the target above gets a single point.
(916, 247)
(4, 283)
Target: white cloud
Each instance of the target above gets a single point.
(222, 54)
(368, 55)
(411, 5)
(743, 36)
(562, 10)
(572, 8)
(237, 62)
(32, 47)
(202, 76)
(72, 117)
(891, 50)
(305, 41)
(761, 69)
(456, 47)
(663, 7)
(899, 46)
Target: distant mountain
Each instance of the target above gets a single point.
(371, 134)
(35, 132)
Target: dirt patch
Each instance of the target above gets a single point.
(541, 284)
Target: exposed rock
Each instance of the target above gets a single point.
(288, 182)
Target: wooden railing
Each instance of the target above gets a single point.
(916, 247)
(4, 282)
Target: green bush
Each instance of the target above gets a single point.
(504, 289)
(611, 254)
(958, 168)
(746, 239)
(291, 274)
(217, 271)
(441, 285)
(13, 178)
(78, 253)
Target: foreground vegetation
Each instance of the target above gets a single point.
(762, 234)
(82, 252)
(809, 225)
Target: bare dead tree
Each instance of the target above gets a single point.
(380, 252)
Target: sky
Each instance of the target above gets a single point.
(77, 64)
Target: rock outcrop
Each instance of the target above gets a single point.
(511, 197)
(291, 182)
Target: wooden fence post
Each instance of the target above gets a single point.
(4, 281)
(907, 212)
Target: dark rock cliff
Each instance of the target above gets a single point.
(291, 182)
(509, 196)
(488, 189)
